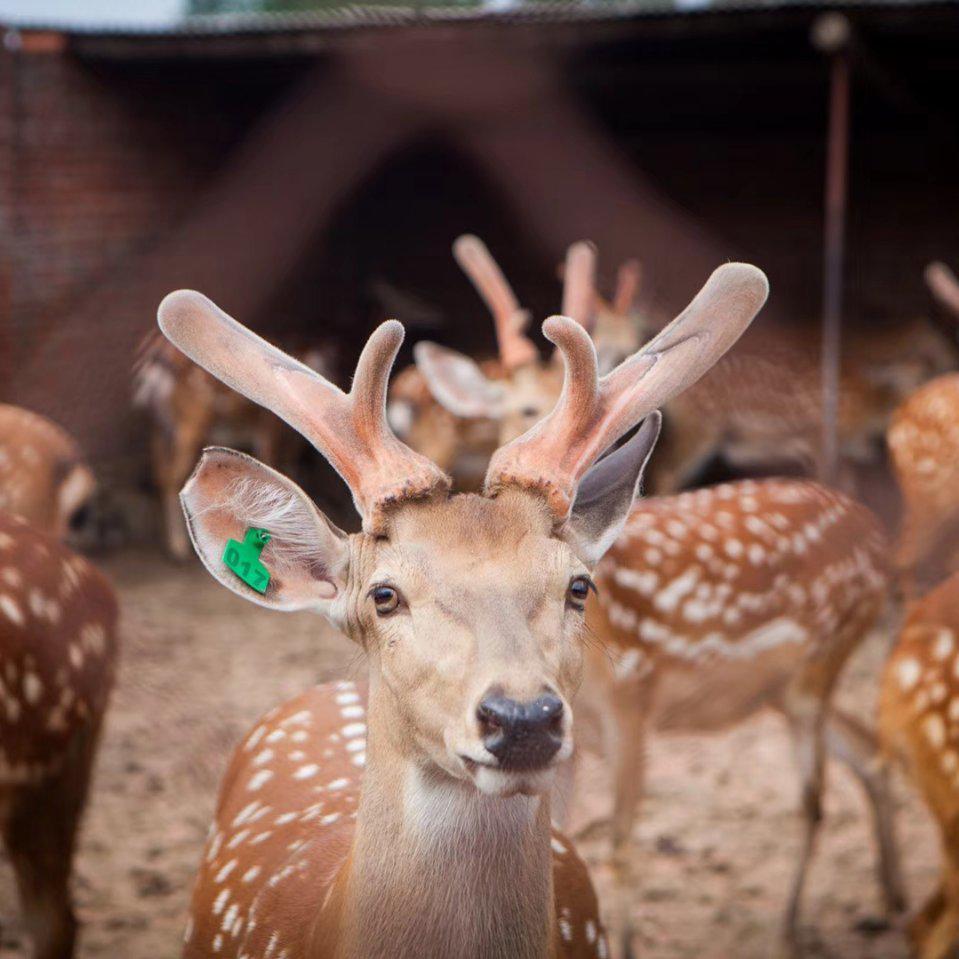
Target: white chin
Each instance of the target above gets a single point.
(496, 782)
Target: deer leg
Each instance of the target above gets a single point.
(804, 713)
(40, 836)
(855, 745)
(625, 743)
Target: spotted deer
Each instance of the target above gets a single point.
(919, 725)
(58, 649)
(188, 409)
(923, 443)
(44, 477)
(417, 823)
(717, 603)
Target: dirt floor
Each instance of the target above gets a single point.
(717, 840)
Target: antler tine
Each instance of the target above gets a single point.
(944, 285)
(350, 430)
(629, 279)
(592, 414)
(477, 263)
(579, 284)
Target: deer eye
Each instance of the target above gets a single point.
(578, 591)
(386, 599)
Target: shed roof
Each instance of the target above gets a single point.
(351, 16)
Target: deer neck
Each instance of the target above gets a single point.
(437, 869)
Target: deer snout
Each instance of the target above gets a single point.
(523, 736)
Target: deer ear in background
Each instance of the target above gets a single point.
(457, 382)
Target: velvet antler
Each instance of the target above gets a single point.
(592, 414)
(476, 261)
(349, 429)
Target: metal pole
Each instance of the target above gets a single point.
(831, 35)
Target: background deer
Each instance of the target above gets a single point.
(493, 401)
(470, 609)
(919, 723)
(44, 477)
(714, 604)
(188, 409)
(923, 442)
(528, 386)
(58, 649)
(741, 412)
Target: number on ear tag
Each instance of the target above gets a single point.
(243, 559)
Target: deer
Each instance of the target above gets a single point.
(522, 388)
(460, 433)
(58, 649)
(919, 727)
(923, 445)
(716, 603)
(188, 409)
(44, 476)
(411, 817)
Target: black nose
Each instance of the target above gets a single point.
(522, 736)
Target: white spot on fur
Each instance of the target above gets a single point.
(669, 597)
(259, 779)
(908, 671)
(935, 730)
(943, 645)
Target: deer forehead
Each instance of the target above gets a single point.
(461, 551)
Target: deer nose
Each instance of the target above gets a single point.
(522, 736)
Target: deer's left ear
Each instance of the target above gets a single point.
(306, 556)
(606, 493)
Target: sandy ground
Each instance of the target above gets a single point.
(717, 839)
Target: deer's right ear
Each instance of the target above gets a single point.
(307, 557)
(457, 383)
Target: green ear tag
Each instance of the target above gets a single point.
(244, 558)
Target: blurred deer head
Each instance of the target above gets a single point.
(529, 385)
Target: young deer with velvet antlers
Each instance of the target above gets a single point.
(433, 839)
(525, 387)
(491, 402)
